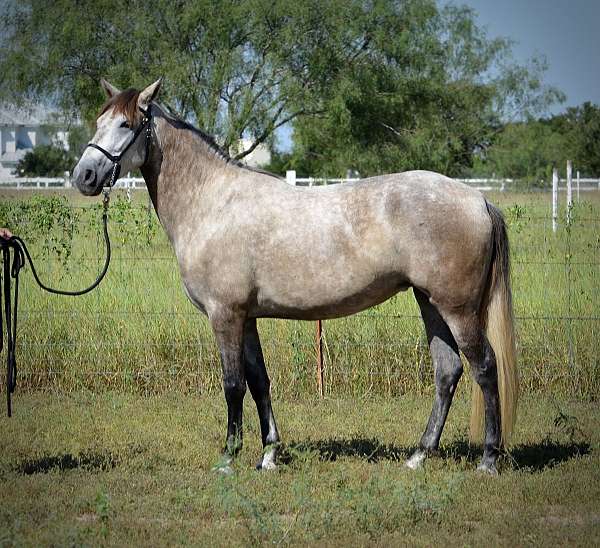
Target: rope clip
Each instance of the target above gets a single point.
(106, 197)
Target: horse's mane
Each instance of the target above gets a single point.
(126, 103)
(176, 121)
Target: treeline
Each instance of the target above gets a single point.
(369, 85)
(525, 151)
(528, 151)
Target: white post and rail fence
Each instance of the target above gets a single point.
(485, 184)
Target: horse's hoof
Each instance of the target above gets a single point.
(223, 470)
(487, 468)
(267, 462)
(416, 460)
(224, 466)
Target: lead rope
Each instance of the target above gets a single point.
(20, 252)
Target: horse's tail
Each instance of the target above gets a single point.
(497, 313)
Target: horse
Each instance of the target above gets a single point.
(243, 238)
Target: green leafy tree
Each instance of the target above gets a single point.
(581, 127)
(45, 161)
(428, 91)
(526, 152)
(376, 86)
(231, 66)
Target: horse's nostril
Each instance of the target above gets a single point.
(88, 174)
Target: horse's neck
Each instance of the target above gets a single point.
(181, 175)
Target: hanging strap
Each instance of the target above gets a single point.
(11, 300)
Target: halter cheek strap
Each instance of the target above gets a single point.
(116, 159)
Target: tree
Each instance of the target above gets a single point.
(431, 90)
(45, 161)
(528, 150)
(525, 151)
(377, 85)
(231, 66)
(581, 127)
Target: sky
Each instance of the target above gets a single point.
(566, 32)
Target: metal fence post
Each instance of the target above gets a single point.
(319, 348)
(569, 190)
(554, 198)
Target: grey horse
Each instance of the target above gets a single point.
(243, 239)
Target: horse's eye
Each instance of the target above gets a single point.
(124, 124)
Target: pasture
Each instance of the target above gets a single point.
(118, 469)
(119, 413)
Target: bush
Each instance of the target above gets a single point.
(45, 161)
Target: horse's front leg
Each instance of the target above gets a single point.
(228, 327)
(259, 384)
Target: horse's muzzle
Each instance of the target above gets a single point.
(88, 180)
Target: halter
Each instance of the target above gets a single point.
(116, 159)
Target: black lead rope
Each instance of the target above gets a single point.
(20, 253)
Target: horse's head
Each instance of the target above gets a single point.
(120, 141)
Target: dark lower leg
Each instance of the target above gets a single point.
(448, 370)
(259, 384)
(228, 330)
(483, 364)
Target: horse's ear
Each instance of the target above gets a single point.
(147, 95)
(110, 90)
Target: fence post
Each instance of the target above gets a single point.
(67, 178)
(578, 186)
(554, 198)
(569, 190)
(319, 348)
(290, 177)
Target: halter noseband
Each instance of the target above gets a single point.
(116, 159)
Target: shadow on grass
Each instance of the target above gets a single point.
(534, 456)
(86, 461)
(370, 450)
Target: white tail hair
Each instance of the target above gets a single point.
(497, 313)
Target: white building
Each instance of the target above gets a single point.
(21, 129)
(260, 156)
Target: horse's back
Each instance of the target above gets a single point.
(336, 250)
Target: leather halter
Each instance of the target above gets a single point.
(116, 158)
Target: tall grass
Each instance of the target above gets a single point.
(137, 332)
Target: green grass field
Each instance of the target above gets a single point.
(119, 414)
(137, 332)
(119, 469)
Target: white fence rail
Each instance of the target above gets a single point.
(134, 183)
(29, 183)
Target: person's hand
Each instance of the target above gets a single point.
(5, 233)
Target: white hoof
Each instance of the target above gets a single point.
(224, 466)
(268, 460)
(488, 469)
(416, 460)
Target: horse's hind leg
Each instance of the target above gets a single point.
(448, 370)
(473, 343)
(259, 384)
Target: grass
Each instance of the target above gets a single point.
(121, 469)
(138, 333)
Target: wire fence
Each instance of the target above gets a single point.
(138, 332)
